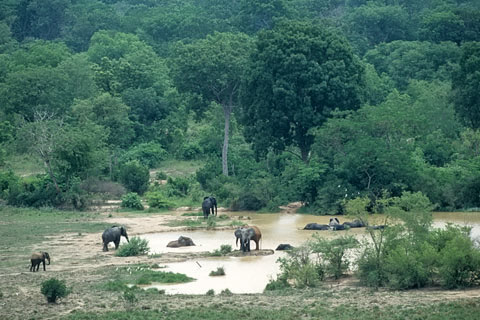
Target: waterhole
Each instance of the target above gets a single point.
(250, 274)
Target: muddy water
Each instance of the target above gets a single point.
(251, 274)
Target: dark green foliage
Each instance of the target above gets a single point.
(134, 176)
(148, 154)
(53, 289)
(304, 79)
(135, 247)
(247, 202)
(466, 85)
(278, 284)
(156, 199)
(132, 200)
(334, 253)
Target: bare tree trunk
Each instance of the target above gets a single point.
(52, 176)
(227, 111)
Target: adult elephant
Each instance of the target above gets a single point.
(246, 234)
(208, 204)
(37, 258)
(113, 234)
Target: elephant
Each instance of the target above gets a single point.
(316, 226)
(245, 234)
(37, 258)
(355, 224)
(113, 234)
(181, 242)
(333, 222)
(209, 203)
(379, 227)
(284, 246)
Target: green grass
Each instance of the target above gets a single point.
(150, 276)
(20, 228)
(438, 311)
(185, 223)
(24, 165)
(180, 168)
(192, 214)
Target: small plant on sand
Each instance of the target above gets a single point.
(135, 247)
(211, 222)
(224, 250)
(226, 292)
(219, 272)
(53, 289)
(129, 297)
(210, 292)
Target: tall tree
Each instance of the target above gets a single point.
(466, 85)
(299, 74)
(213, 68)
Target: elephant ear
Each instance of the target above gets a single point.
(250, 233)
(238, 233)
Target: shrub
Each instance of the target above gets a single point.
(178, 187)
(134, 176)
(148, 154)
(160, 175)
(334, 252)
(135, 247)
(299, 268)
(247, 202)
(156, 199)
(459, 263)
(226, 292)
(211, 222)
(132, 200)
(53, 289)
(219, 272)
(279, 284)
(149, 276)
(210, 292)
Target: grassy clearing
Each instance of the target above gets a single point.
(179, 168)
(21, 228)
(438, 311)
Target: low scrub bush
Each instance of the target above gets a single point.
(210, 292)
(149, 276)
(135, 247)
(211, 222)
(278, 284)
(224, 250)
(219, 272)
(53, 289)
(134, 176)
(300, 269)
(132, 201)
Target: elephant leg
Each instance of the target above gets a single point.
(257, 245)
(31, 267)
(117, 242)
(105, 246)
(38, 266)
(44, 266)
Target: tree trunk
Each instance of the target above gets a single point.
(227, 110)
(52, 176)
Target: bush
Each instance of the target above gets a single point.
(135, 247)
(299, 268)
(210, 292)
(279, 284)
(211, 222)
(219, 272)
(53, 289)
(247, 202)
(134, 176)
(333, 252)
(459, 263)
(132, 200)
(156, 199)
(148, 154)
(160, 175)
(178, 187)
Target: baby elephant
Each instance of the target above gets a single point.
(37, 258)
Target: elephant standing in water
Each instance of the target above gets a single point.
(113, 234)
(37, 258)
(209, 203)
(245, 234)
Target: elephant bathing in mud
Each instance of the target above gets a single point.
(208, 204)
(245, 234)
(113, 234)
(316, 226)
(181, 242)
(37, 258)
(335, 225)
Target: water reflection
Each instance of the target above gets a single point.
(251, 274)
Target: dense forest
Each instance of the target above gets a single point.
(318, 101)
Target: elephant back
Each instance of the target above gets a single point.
(37, 256)
(258, 233)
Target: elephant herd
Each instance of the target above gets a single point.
(335, 225)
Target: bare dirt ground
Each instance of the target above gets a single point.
(79, 260)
